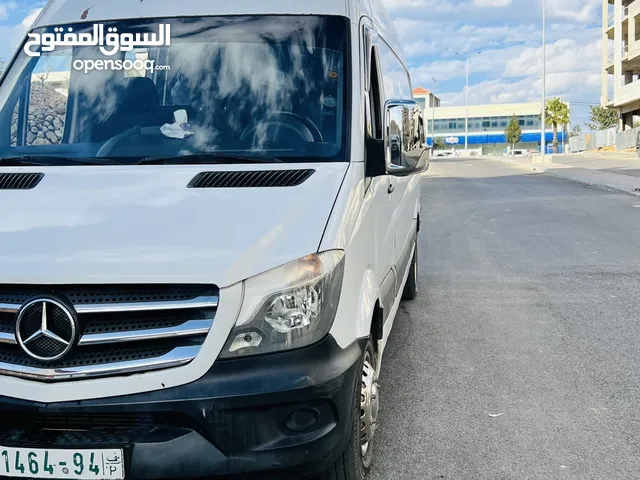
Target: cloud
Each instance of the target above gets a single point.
(580, 11)
(420, 48)
(492, 3)
(510, 67)
(445, 38)
(27, 22)
(12, 35)
(565, 55)
(432, 6)
(512, 11)
(6, 8)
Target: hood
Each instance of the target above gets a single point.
(141, 224)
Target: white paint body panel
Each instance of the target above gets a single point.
(69, 11)
(141, 225)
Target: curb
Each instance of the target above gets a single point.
(596, 184)
(557, 170)
(531, 166)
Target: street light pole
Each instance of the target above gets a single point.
(544, 79)
(433, 117)
(564, 128)
(466, 116)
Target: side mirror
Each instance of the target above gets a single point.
(405, 148)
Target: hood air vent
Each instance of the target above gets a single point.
(19, 181)
(244, 179)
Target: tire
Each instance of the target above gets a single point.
(353, 464)
(410, 291)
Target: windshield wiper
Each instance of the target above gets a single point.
(52, 160)
(204, 158)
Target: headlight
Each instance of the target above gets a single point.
(288, 307)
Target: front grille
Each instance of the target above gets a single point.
(80, 421)
(105, 354)
(123, 329)
(20, 437)
(97, 294)
(59, 429)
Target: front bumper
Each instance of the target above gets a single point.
(282, 412)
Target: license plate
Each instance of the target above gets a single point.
(79, 464)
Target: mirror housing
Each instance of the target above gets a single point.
(405, 147)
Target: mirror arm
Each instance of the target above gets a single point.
(374, 157)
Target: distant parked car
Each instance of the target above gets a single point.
(447, 153)
(518, 153)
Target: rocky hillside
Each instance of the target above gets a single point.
(47, 109)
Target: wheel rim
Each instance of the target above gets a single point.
(369, 403)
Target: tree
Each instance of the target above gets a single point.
(438, 144)
(603, 118)
(557, 114)
(576, 131)
(513, 131)
(44, 76)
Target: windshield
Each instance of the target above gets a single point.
(244, 86)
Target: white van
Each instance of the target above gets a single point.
(209, 217)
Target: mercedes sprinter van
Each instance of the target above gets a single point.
(209, 216)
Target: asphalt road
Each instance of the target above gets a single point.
(529, 309)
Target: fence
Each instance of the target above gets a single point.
(603, 139)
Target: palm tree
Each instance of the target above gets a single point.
(557, 114)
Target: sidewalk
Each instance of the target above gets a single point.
(622, 174)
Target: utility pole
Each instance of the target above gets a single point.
(433, 116)
(466, 117)
(564, 128)
(543, 148)
(466, 114)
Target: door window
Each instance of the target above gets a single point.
(47, 107)
(14, 124)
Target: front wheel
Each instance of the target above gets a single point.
(355, 461)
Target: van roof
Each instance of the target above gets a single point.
(60, 12)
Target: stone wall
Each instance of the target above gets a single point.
(45, 125)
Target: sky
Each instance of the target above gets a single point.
(508, 33)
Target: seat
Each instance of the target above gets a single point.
(136, 105)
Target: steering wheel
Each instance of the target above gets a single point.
(302, 126)
(124, 136)
(113, 141)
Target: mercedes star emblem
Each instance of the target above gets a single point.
(46, 329)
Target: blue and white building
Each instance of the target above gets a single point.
(486, 127)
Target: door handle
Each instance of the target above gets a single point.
(391, 189)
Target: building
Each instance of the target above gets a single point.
(487, 125)
(621, 59)
(425, 98)
(57, 80)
